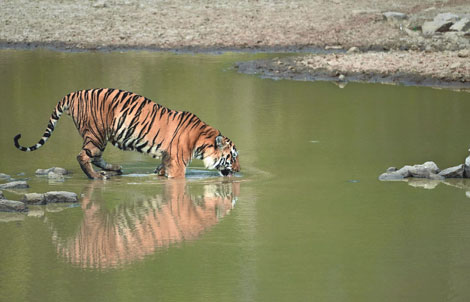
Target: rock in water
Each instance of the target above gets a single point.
(60, 196)
(14, 185)
(4, 176)
(55, 176)
(453, 172)
(56, 170)
(12, 206)
(1, 195)
(34, 198)
(467, 167)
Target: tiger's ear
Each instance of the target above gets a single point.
(220, 142)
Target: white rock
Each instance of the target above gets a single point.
(461, 25)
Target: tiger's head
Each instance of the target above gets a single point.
(222, 155)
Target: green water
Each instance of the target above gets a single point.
(307, 219)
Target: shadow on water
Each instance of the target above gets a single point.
(119, 227)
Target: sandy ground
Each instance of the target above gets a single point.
(224, 24)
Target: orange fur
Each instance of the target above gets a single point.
(133, 122)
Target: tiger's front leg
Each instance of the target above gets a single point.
(160, 170)
(171, 167)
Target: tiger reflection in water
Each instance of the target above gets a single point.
(109, 239)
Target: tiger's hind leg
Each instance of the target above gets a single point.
(89, 154)
(101, 163)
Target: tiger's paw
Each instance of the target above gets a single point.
(160, 171)
(103, 175)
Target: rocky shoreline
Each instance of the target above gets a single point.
(400, 34)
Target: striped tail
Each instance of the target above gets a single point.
(59, 109)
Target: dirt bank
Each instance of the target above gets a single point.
(227, 25)
(449, 69)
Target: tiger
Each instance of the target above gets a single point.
(132, 122)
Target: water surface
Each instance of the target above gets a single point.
(307, 220)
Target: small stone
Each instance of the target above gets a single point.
(1, 195)
(461, 25)
(21, 184)
(394, 16)
(34, 198)
(60, 196)
(391, 169)
(455, 65)
(464, 53)
(12, 206)
(4, 176)
(453, 172)
(341, 77)
(353, 49)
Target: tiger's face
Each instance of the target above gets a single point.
(223, 157)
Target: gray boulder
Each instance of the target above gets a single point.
(12, 206)
(34, 198)
(431, 27)
(14, 185)
(449, 17)
(453, 172)
(60, 196)
(461, 25)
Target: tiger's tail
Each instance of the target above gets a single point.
(59, 109)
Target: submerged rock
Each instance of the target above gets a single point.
(12, 206)
(56, 170)
(60, 196)
(14, 185)
(55, 176)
